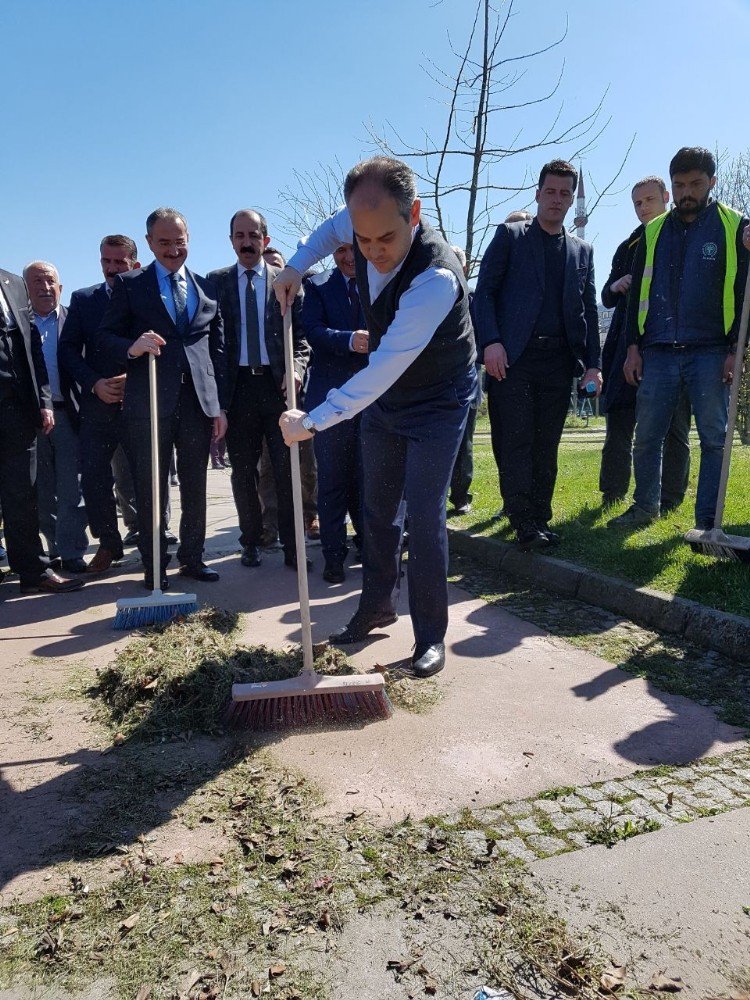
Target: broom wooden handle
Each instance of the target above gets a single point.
(734, 398)
(299, 520)
(155, 503)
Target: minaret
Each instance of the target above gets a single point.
(581, 218)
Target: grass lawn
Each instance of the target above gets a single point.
(655, 556)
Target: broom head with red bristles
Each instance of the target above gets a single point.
(309, 699)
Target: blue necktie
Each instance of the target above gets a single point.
(355, 304)
(179, 294)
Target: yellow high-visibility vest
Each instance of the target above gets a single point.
(730, 220)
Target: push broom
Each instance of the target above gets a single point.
(716, 542)
(309, 697)
(137, 612)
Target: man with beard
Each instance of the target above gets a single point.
(682, 323)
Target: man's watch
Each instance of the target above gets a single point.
(308, 424)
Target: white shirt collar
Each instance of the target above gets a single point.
(163, 272)
(259, 269)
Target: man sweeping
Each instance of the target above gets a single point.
(415, 391)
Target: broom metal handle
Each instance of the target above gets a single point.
(734, 397)
(155, 504)
(299, 520)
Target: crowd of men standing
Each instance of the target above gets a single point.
(74, 383)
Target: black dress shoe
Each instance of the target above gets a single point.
(148, 582)
(170, 538)
(529, 538)
(428, 659)
(360, 627)
(291, 562)
(334, 572)
(201, 572)
(131, 538)
(250, 556)
(553, 538)
(74, 565)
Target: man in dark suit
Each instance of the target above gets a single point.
(537, 322)
(102, 383)
(171, 312)
(25, 404)
(334, 327)
(62, 516)
(256, 380)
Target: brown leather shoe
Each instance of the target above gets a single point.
(312, 528)
(51, 582)
(102, 560)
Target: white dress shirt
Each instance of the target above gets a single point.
(260, 295)
(422, 308)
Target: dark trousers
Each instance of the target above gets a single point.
(530, 405)
(62, 516)
(463, 467)
(408, 453)
(18, 490)
(254, 415)
(339, 456)
(188, 430)
(617, 454)
(100, 439)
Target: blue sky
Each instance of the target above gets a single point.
(209, 105)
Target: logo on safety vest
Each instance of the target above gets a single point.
(709, 251)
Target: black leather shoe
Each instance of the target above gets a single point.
(131, 538)
(250, 556)
(530, 538)
(291, 562)
(74, 565)
(201, 572)
(170, 538)
(553, 538)
(428, 659)
(148, 582)
(334, 572)
(360, 627)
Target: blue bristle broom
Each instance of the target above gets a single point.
(137, 612)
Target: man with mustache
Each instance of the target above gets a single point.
(256, 381)
(682, 323)
(167, 310)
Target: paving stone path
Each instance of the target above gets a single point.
(567, 819)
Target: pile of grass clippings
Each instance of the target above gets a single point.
(177, 677)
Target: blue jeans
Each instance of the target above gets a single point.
(408, 452)
(666, 373)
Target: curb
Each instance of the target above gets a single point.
(716, 630)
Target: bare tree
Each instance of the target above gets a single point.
(311, 198)
(467, 170)
(733, 188)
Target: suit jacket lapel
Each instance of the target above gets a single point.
(202, 300)
(571, 265)
(231, 277)
(342, 292)
(152, 287)
(14, 307)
